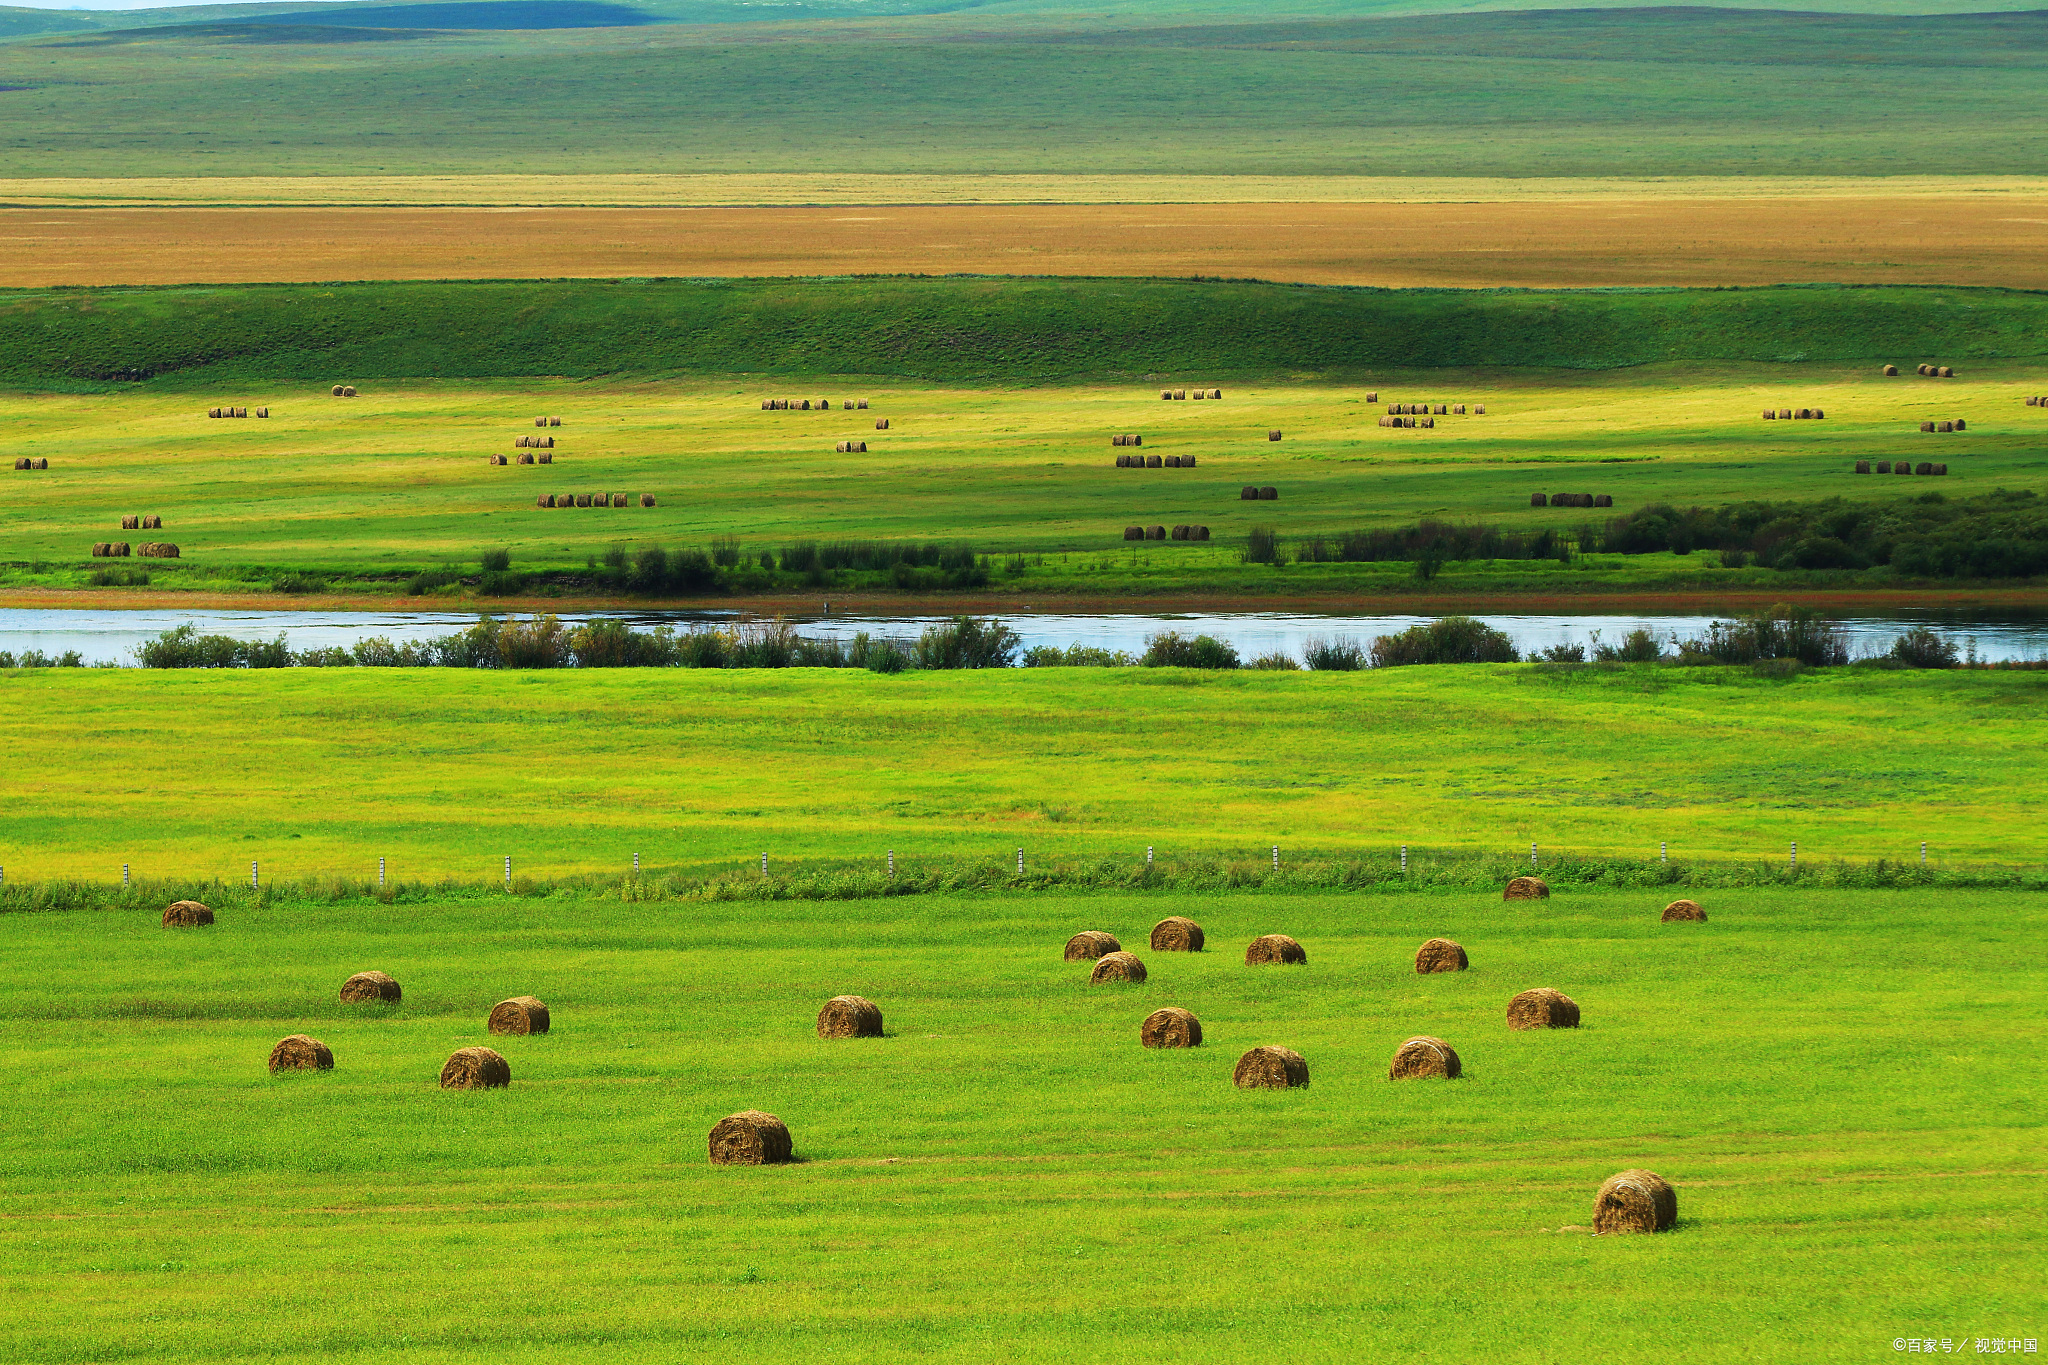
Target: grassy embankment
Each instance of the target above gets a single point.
(1001, 397)
(1589, 93)
(1846, 1173)
(446, 772)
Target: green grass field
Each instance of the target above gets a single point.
(445, 772)
(1648, 92)
(1842, 1087)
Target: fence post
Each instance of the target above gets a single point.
(1532, 857)
(1276, 857)
(764, 863)
(508, 872)
(636, 864)
(1663, 851)
(255, 881)
(1923, 853)
(1020, 862)
(892, 864)
(1795, 853)
(124, 868)
(1148, 855)
(1404, 860)
(380, 872)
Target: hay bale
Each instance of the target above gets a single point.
(1177, 934)
(622, 500)
(520, 1014)
(186, 915)
(1539, 500)
(881, 423)
(119, 549)
(767, 404)
(1941, 469)
(1440, 955)
(337, 390)
(1274, 948)
(1542, 1008)
(647, 499)
(1116, 440)
(301, 1053)
(1441, 410)
(1423, 1056)
(750, 1138)
(366, 986)
(152, 523)
(863, 447)
(99, 549)
(1902, 467)
(1187, 462)
(21, 462)
(846, 405)
(1863, 466)
(348, 390)
(1921, 370)
(1170, 1027)
(583, 499)
(806, 407)
(1118, 966)
(1962, 425)
(1479, 410)
(1248, 494)
(1123, 462)
(1526, 889)
(526, 459)
(497, 459)
(1201, 394)
(1273, 435)
(1947, 373)
(1155, 533)
(544, 500)
(1090, 944)
(1179, 532)
(1801, 414)
(1603, 500)
(1180, 394)
(1215, 393)
(131, 523)
(1784, 414)
(475, 1068)
(1270, 1068)
(1268, 493)
(1927, 426)
(1166, 394)
(1373, 397)
(40, 462)
(1428, 421)
(1820, 415)
(1134, 533)
(1923, 467)
(1683, 910)
(1890, 371)
(1135, 440)
(850, 1016)
(1201, 533)
(862, 405)
(154, 549)
(1634, 1201)
(1173, 462)
(1153, 462)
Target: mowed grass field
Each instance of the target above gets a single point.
(446, 772)
(1842, 1087)
(398, 477)
(1975, 238)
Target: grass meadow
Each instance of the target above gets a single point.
(445, 772)
(397, 479)
(1842, 1086)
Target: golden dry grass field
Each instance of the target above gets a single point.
(1961, 239)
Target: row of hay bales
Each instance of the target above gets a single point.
(1571, 500)
(37, 462)
(810, 405)
(1902, 467)
(2038, 401)
(1429, 409)
(534, 443)
(545, 458)
(1926, 371)
(547, 421)
(1155, 462)
(148, 549)
(1250, 494)
(591, 500)
(344, 390)
(1958, 424)
(1127, 439)
(1408, 421)
(142, 523)
(851, 448)
(1794, 415)
(236, 412)
(1178, 394)
(1162, 533)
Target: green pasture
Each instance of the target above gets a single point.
(446, 772)
(1842, 1086)
(1020, 88)
(398, 479)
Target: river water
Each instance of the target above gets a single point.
(112, 636)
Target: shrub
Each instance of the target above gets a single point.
(1075, 656)
(1171, 649)
(609, 643)
(1448, 640)
(965, 642)
(35, 658)
(1796, 633)
(1340, 654)
(1923, 648)
(118, 578)
(1565, 654)
(1276, 662)
(877, 656)
(725, 552)
(1639, 646)
(427, 580)
(1734, 559)
(497, 561)
(298, 583)
(1261, 546)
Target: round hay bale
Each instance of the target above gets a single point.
(186, 915)
(1373, 397)
(348, 390)
(881, 423)
(1542, 1008)
(42, 462)
(1270, 1068)
(544, 500)
(131, 523)
(1215, 393)
(520, 1014)
(1201, 533)
(1802, 414)
(1634, 1201)
(301, 1053)
(863, 446)
(1927, 426)
(846, 405)
(100, 549)
(1820, 415)
(1155, 533)
(1090, 944)
(1268, 493)
(119, 549)
(1479, 409)
(1153, 462)
(1118, 966)
(1947, 373)
(526, 459)
(1526, 889)
(1962, 425)
(647, 499)
(1603, 500)
(619, 500)
(1429, 421)
(366, 986)
(1941, 469)
(475, 1068)
(1248, 494)
(1134, 533)
(1134, 440)
(1273, 948)
(1180, 394)
(1123, 462)
(1425, 1056)
(1173, 462)
(1458, 408)
(766, 404)
(1923, 467)
(152, 523)
(1441, 410)
(337, 390)
(1863, 466)
(1921, 370)
(750, 1138)
(1440, 955)
(863, 405)
(1166, 394)
(1273, 435)
(1890, 371)
(1177, 934)
(1902, 467)
(1170, 1027)
(540, 421)
(1180, 532)
(850, 1016)
(1201, 394)
(1187, 462)
(583, 499)
(1683, 910)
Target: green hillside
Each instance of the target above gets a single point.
(967, 328)
(994, 89)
